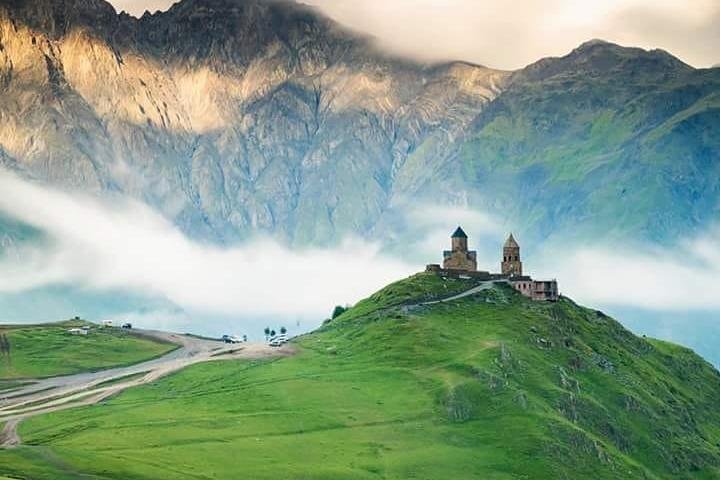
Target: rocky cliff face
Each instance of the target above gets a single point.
(235, 117)
(229, 117)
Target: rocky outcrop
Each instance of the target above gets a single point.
(229, 117)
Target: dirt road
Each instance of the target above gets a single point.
(59, 393)
(483, 286)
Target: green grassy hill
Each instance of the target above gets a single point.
(48, 350)
(492, 386)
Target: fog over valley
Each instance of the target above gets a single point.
(118, 247)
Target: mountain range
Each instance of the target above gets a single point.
(233, 118)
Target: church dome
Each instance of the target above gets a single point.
(459, 233)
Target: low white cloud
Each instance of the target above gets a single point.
(510, 35)
(99, 244)
(103, 244)
(682, 278)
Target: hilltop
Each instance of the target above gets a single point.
(492, 386)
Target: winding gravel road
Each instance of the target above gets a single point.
(59, 393)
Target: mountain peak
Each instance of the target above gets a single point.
(56, 17)
(598, 47)
(224, 33)
(594, 43)
(599, 57)
(230, 32)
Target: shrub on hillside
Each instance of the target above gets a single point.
(339, 310)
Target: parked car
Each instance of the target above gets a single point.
(278, 340)
(127, 326)
(231, 339)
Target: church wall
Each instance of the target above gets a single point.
(458, 260)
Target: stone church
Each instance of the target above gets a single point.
(460, 262)
(459, 257)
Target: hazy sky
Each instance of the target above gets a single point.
(511, 34)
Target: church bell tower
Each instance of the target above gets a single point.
(511, 264)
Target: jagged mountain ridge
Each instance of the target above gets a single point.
(229, 117)
(233, 117)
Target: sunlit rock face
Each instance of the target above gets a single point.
(229, 117)
(234, 118)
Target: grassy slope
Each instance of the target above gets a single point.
(48, 350)
(492, 387)
(625, 148)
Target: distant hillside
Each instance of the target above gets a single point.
(491, 386)
(47, 350)
(237, 117)
(610, 141)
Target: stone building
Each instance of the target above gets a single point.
(511, 264)
(462, 263)
(540, 290)
(523, 284)
(460, 258)
(512, 267)
(545, 290)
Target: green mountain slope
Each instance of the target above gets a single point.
(35, 351)
(607, 140)
(491, 386)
